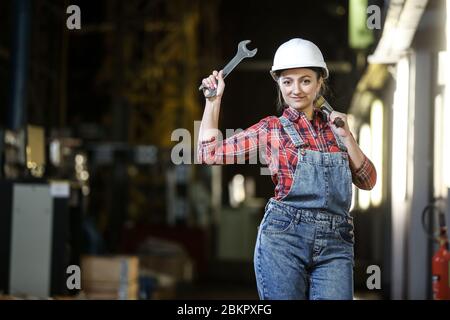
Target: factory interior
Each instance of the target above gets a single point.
(102, 196)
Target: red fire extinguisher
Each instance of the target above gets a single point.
(441, 264)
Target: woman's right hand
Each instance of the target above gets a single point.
(214, 81)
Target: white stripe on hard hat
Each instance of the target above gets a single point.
(298, 53)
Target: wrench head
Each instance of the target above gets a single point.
(242, 47)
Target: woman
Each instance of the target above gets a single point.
(304, 248)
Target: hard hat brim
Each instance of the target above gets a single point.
(274, 70)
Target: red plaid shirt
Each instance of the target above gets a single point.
(244, 145)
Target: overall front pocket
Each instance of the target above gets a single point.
(276, 222)
(345, 231)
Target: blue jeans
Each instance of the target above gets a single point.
(304, 254)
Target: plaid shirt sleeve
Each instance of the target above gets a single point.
(365, 176)
(238, 148)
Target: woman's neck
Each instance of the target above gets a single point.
(309, 112)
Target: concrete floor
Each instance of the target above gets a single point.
(235, 281)
(230, 291)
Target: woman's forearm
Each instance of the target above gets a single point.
(364, 174)
(210, 120)
(354, 151)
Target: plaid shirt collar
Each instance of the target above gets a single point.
(294, 115)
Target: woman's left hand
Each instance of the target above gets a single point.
(344, 131)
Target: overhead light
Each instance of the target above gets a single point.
(440, 187)
(400, 131)
(237, 190)
(446, 142)
(376, 126)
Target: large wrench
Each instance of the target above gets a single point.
(327, 109)
(242, 53)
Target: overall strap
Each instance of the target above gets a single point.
(288, 126)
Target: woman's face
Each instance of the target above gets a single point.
(299, 87)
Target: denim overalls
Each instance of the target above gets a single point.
(304, 247)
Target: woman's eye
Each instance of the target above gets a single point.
(306, 81)
(286, 83)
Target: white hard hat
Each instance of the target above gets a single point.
(298, 53)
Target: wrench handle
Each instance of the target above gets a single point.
(232, 64)
(338, 122)
(226, 71)
(327, 109)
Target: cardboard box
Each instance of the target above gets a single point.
(109, 268)
(111, 291)
(110, 277)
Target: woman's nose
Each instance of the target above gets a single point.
(296, 88)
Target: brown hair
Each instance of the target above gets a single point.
(281, 104)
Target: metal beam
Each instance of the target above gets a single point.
(20, 53)
(402, 19)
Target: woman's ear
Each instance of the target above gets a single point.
(319, 86)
